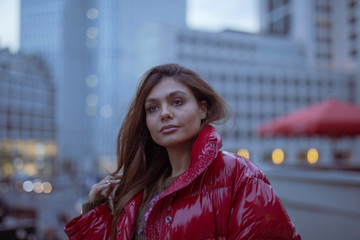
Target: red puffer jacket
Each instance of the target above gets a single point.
(220, 196)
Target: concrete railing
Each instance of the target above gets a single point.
(322, 204)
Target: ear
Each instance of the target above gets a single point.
(203, 109)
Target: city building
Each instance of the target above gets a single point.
(98, 50)
(92, 50)
(328, 28)
(27, 117)
(306, 51)
(261, 77)
(329, 31)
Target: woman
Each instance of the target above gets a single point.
(176, 184)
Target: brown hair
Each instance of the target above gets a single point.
(142, 161)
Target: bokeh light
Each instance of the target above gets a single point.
(51, 149)
(244, 152)
(47, 187)
(92, 80)
(278, 156)
(30, 169)
(28, 186)
(106, 111)
(312, 156)
(92, 32)
(92, 13)
(38, 187)
(7, 169)
(4, 187)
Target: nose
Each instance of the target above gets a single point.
(166, 113)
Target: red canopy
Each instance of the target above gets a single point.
(330, 117)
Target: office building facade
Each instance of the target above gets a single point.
(28, 126)
(99, 49)
(91, 47)
(261, 77)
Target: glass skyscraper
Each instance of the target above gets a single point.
(92, 48)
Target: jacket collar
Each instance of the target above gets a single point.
(204, 151)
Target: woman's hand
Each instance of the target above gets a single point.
(102, 189)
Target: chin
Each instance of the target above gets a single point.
(175, 142)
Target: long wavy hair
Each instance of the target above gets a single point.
(143, 162)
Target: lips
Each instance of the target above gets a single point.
(168, 129)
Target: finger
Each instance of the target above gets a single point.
(105, 179)
(109, 186)
(106, 192)
(96, 191)
(100, 186)
(103, 186)
(114, 181)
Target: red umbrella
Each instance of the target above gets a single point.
(330, 118)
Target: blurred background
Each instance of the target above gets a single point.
(289, 69)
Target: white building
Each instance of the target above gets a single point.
(328, 29)
(260, 77)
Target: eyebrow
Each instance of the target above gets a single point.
(172, 94)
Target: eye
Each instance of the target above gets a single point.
(178, 102)
(151, 109)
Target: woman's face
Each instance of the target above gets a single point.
(173, 115)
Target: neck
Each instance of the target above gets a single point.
(179, 158)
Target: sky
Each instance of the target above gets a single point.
(206, 15)
(9, 24)
(215, 15)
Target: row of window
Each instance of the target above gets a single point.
(203, 41)
(27, 123)
(281, 26)
(353, 36)
(321, 8)
(26, 109)
(248, 59)
(25, 82)
(32, 98)
(31, 134)
(324, 27)
(22, 114)
(253, 80)
(274, 4)
(286, 99)
(236, 134)
(324, 55)
(214, 59)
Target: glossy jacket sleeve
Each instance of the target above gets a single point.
(96, 224)
(257, 213)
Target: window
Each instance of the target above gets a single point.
(352, 4)
(287, 24)
(353, 36)
(286, 2)
(352, 19)
(322, 39)
(281, 26)
(271, 5)
(353, 52)
(323, 24)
